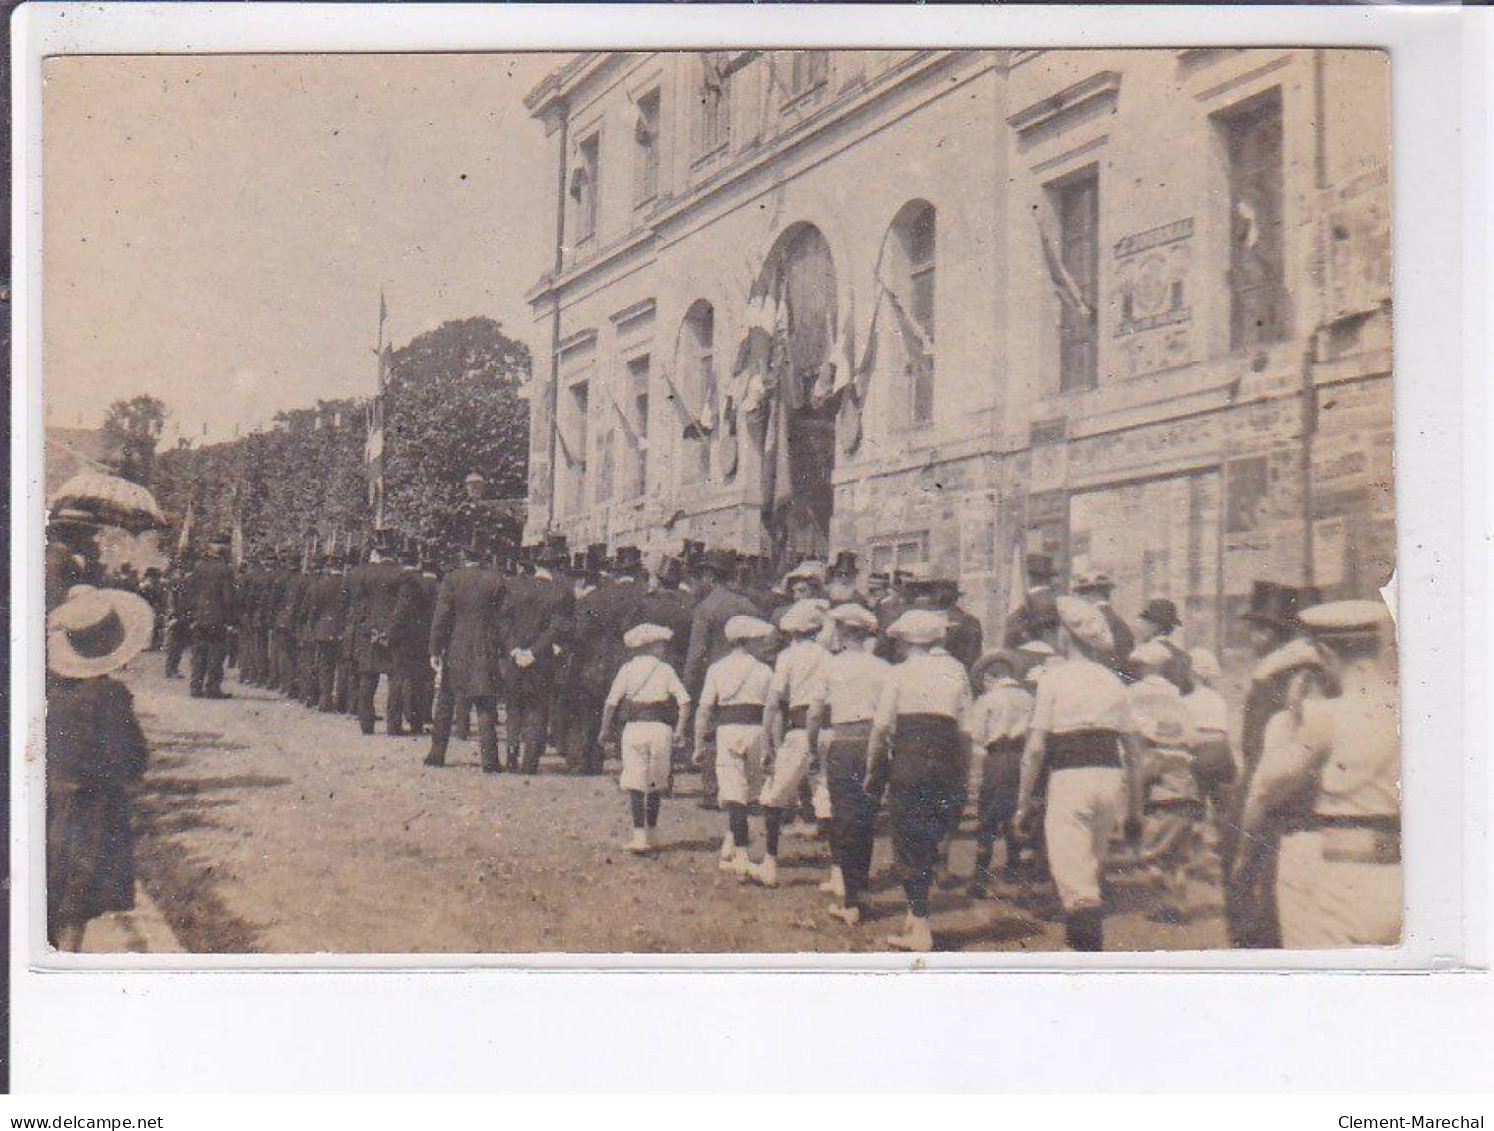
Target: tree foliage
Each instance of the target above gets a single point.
(453, 406)
(132, 428)
(301, 478)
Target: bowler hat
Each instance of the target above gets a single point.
(1039, 567)
(671, 571)
(1162, 613)
(845, 564)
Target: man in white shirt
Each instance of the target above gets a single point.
(729, 718)
(920, 747)
(842, 706)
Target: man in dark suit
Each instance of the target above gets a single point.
(381, 585)
(1037, 617)
(534, 627)
(287, 625)
(211, 599)
(965, 638)
(307, 614)
(601, 618)
(409, 639)
(331, 604)
(465, 652)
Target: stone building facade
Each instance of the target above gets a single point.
(1131, 307)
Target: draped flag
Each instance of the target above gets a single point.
(373, 441)
(184, 539)
(635, 441)
(1017, 592)
(1064, 285)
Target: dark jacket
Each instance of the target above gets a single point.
(464, 630)
(329, 601)
(538, 614)
(602, 616)
(964, 638)
(211, 596)
(414, 610)
(676, 612)
(1037, 614)
(383, 583)
(288, 601)
(708, 641)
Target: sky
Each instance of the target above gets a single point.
(217, 229)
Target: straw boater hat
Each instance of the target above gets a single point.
(919, 626)
(96, 631)
(642, 635)
(1085, 623)
(811, 569)
(742, 628)
(853, 616)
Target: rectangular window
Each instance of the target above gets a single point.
(712, 116)
(1252, 149)
(637, 405)
(575, 437)
(1078, 206)
(898, 553)
(606, 458)
(586, 186)
(646, 149)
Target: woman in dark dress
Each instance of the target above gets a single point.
(95, 748)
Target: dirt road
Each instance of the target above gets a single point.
(268, 828)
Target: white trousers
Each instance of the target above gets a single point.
(739, 752)
(790, 765)
(1084, 807)
(646, 749)
(1332, 903)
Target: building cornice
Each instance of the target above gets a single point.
(1097, 88)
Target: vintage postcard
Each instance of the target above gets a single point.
(720, 502)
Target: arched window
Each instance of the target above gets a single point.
(697, 386)
(910, 258)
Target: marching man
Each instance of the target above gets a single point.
(655, 710)
(842, 705)
(920, 747)
(1081, 732)
(730, 718)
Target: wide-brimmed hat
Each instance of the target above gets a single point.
(1086, 623)
(919, 626)
(1344, 619)
(642, 635)
(97, 631)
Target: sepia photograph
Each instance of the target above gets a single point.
(722, 502)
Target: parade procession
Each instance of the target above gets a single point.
(916, 523)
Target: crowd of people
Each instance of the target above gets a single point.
(1085, 745)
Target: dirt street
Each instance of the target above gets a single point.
(265, 827)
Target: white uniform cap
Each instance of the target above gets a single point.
(642, 635)
(919, 626)
(1086, 623)
(1153, 654)
(1205, 665)
(807, 571)
(802, 617)
(1037, 648)
(852, 615)
(1340, 617)
(740, 628)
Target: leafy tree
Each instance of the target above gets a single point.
(131, 430)
(453, 407)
